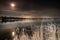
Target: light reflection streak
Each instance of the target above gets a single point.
(13, 33)
(27, 21)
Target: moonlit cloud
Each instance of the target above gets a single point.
(32, 13)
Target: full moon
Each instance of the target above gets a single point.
(12, 5)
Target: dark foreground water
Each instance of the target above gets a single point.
(38, 29)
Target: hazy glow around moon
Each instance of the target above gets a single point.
(12, 5)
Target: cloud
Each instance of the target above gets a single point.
(34, 13)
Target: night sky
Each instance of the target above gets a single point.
(31, 4)
(41, 7)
